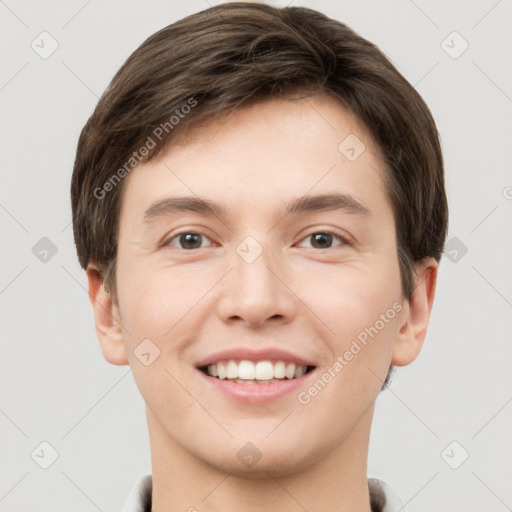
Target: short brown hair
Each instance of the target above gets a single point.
(229, 56)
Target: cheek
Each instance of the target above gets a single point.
(360, 307)
(165, 306)
(156, 312)
(363, 312)
(349, 299)
(149, 297)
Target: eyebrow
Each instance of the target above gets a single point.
(322, 202)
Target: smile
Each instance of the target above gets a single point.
(255, 372)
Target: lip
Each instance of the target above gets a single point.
(254, 393)
(251, 354)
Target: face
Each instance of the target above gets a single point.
(258, 285)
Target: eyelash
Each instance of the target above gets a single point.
(335, 234)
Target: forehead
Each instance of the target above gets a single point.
(265, 152)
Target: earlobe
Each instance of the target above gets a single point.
(106, 320)
(413, 329)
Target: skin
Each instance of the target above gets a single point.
(311, 301)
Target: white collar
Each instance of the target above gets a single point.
(380, 491)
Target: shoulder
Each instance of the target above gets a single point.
(383, 498)
(139, 499)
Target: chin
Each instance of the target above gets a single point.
(261, 460)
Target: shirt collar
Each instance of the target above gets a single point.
(382, 496)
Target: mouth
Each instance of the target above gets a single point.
(255, 376)
(245, 371)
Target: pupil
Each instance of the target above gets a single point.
(321, 240)
(191, 240)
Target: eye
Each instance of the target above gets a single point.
(324, 239)
(190, 240)
(187, 240)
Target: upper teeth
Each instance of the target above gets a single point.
(262, 370)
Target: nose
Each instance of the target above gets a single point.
(257, 292)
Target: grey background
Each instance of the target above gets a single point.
(56, 386)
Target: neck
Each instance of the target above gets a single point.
(336, 483)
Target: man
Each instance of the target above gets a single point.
(258, 200)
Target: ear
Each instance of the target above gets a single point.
(106, 319)
(417, 314)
